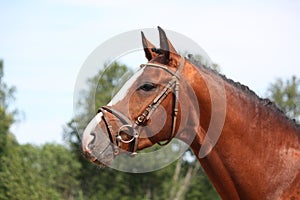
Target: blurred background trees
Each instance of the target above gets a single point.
(32, 172)
(53, 171)
(286, 95)
(7, 115)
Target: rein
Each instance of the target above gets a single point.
(141, 120)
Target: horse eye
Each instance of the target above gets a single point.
(147, 87)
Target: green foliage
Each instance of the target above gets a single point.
(286, 94)
(205, 192)
(6, 116)
(32, 172)
(5, 121)
(60, 170)
(6, 93)
(47, 172)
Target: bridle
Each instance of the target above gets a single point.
(141, 120)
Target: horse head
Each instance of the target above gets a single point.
(146, 111)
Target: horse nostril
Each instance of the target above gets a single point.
(88, 143)
(91, 143)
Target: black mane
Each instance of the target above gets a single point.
(265, 101)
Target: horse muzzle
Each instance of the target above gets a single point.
(96, 145)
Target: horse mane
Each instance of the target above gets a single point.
(264, 101)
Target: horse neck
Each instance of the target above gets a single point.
(257, 155)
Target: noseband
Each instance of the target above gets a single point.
(141, 120)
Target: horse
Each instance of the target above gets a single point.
(255, 154)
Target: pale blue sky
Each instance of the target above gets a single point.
(44, 43)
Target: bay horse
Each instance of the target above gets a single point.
(256, 154)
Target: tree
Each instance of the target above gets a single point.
(286, 94)
(6, 120)
(33, 172)
(7, 116)
(59, 171)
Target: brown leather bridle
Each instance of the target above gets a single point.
(141, 120)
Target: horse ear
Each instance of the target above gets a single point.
(148, 46)
(165, 44)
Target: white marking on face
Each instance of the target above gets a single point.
(98, 117)
(86, 136)
(125, 89)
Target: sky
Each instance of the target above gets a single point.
(45, 42)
